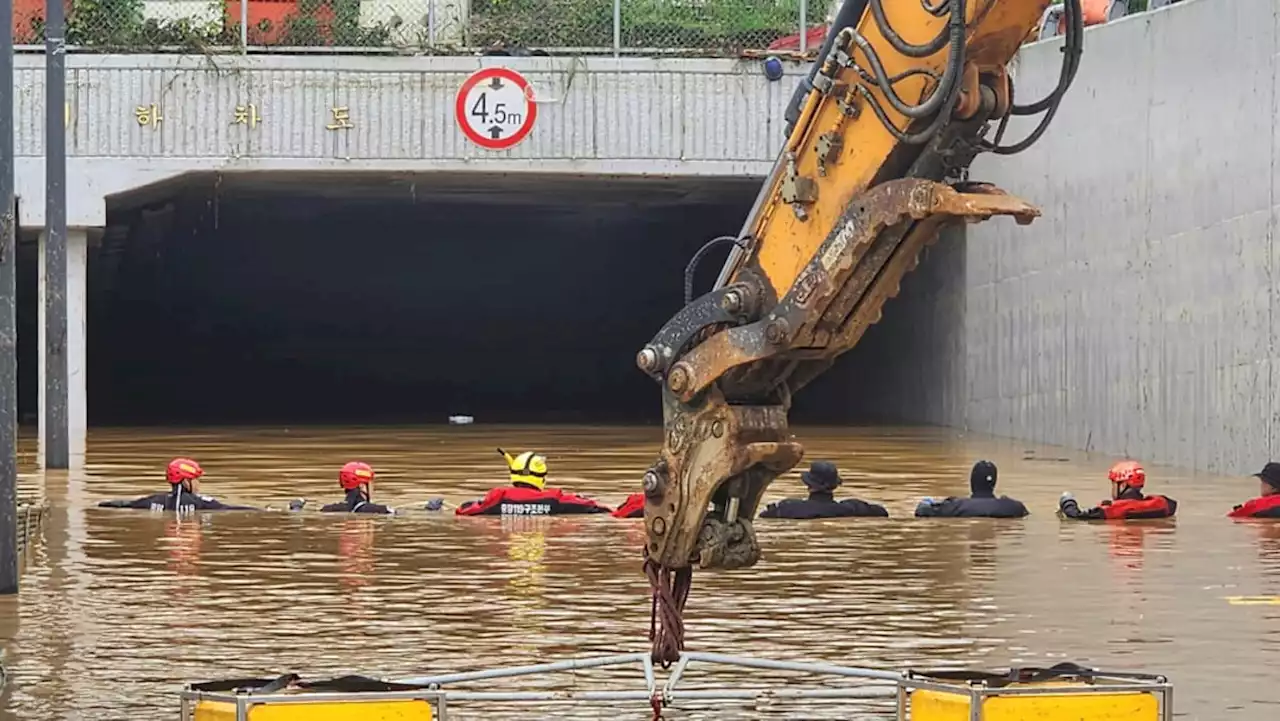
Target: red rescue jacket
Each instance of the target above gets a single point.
(633, 507)
(1134, 506)
(1262, 507)
(1146, 507)
(525, 501)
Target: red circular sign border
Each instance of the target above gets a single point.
(460, 108)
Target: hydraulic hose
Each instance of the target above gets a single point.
(911, 50)
(910, 72)
(847, 16)
(1072, 49)
(692, 266)
(912, 138)
(950, 78)
(935, 10)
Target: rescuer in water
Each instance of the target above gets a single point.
(633, 507)
(528, 494)
(981, 503)
(184, 494)
(822, 479)
(1267, 505)
(356, 479)
(1127, 501)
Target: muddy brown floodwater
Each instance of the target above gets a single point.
(119, 609)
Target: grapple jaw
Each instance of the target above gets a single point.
(716, 462)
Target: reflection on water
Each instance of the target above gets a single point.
(120, 608)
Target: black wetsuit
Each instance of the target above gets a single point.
(178, 499)
(822, 504)
(355, 502)
(982, 503)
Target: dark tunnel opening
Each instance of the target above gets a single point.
(243, 300)
(511, 299)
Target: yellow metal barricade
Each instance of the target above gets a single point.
(1062, 693)
(1065, 692)
(288, 698)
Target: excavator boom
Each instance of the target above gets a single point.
(903, 96)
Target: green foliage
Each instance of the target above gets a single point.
(706, 24)
(542, 23)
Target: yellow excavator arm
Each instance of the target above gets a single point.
(903, 96)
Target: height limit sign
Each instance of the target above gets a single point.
(495, 108)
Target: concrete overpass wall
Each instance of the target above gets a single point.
(1139, 315)
(596, 115)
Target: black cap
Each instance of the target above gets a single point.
(1270, 474)
(982, 479)
(821, 476)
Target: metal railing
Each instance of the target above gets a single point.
(872, 684)
(1052, 23)
(617, 27)
(30, 516)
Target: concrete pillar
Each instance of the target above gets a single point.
(77, 388)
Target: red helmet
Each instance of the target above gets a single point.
(354, 474)
(183, 469)
(1129, 473)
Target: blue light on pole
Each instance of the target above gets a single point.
(773, 69)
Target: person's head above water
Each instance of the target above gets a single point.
(356, 475)
(527, 469)
(1270, 479)
(982, 479)
(1126, 475)
(184, 472)
(822, 477)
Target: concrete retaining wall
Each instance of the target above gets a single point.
(1138, 315)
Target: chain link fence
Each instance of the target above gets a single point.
(620, 27)
(709, 27)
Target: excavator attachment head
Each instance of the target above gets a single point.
(716, 462)
(880, 139)
(718, 458)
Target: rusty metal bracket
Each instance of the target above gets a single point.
(828, 148)
(733, 304)
(798, 190)
(849, 101)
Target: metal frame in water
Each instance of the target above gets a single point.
(30, 517)
(882, 684)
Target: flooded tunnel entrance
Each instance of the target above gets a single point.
(511, 298)
(351, 299)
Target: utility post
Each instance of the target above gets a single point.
(57, 440)
(8, 323)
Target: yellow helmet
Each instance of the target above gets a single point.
(528, 468)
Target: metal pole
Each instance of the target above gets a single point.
(8, 328)
(56, 435)
(617, 28)
(804, 26)
(431, 24)
(244, 26)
